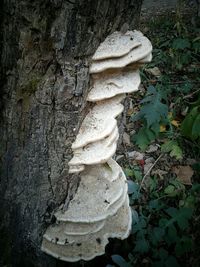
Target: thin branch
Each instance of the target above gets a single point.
(149, 170)
(190, 95)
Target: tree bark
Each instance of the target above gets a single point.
(45, 53)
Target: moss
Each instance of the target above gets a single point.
(25, 92)
(30, 87)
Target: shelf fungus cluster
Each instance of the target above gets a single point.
(100, 208)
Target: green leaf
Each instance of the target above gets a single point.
(186, 87)
(172, 211)
(139, 226)
(171, 261)
(141, 139)
(153, 183)
(141, 246)
(195, 188)
(187, 124)
(152, 110)
(132, 187)
(128, 172)
(170, 190)
(174, 149)
(163, 222)
(196, 46)
(180, 216)
(176, 152)
(155, 205)
(135, 217)
(155, 127)
(150, 134)
(141, 234)
(120, 261)
(190, 202)
(137, 174)
(182, 222)
(196, 128)
(180, 43)
(133, 190)
(171, 236)
(183, 246)
(163, 254)
(156, 235)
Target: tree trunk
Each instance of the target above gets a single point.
(45, 52)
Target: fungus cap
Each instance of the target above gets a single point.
(76, 168)
(89, 246)
(146, 59)
(116, 45)
(107, 85)
(106, 196)
(58, 233)
(97, 152)
(134, 55)
(99, 122)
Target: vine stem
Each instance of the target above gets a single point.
(149, 170)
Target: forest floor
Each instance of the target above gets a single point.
(161, 147)
(160, 151)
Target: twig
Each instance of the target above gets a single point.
(149, 170)
(190, 95)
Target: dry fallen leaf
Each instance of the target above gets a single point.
(130, 111)
(162, 128)
(152, 148)
(159, 173)
(154, 71)
(149, 160)
(126, 139)
(147, 167)
(135, 155)
(176, 123)
(183, 173)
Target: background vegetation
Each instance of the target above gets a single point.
(164, 128)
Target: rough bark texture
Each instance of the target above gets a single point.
(45, 50)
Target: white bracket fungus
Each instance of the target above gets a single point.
(110, 84)
(76, 168)
(88, 246)
(100, 208)
(117, 45)
(96, 152)
(134, 55)
(99, 122)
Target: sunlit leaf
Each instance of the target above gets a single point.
(173, 148)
